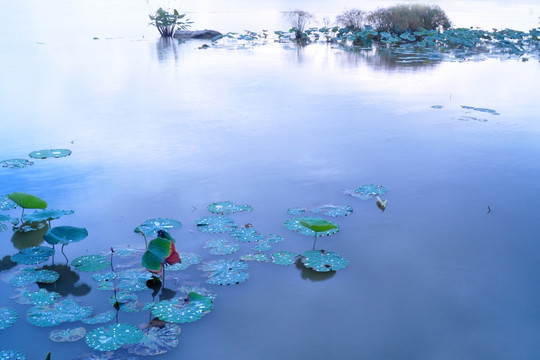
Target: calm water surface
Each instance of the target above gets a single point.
(161, 129)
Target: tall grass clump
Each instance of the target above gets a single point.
(409, 17)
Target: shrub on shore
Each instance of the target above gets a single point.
(411, 17)
(352, 19)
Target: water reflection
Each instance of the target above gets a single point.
(168, 49)
(67, 283)
(6, 263)
(312, 275)
(385, 59)
(23, 240)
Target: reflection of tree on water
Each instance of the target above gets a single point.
(167, 48)
(67, 283)
(386, 59)
(311, 274)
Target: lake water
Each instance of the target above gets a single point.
(162, 129)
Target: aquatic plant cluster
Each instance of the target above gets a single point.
(123, 273)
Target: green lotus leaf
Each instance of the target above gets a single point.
(221, 247)
(227, 208)
(131, 280)
(311, 226)
(112, 337)
(11, 355)
(15, 163)
(33, 255)
(199, 290)
(160, 247)
(188, 259)
(27, 201)
(150, 227)
(67, 310)
(284, 258)
(179, 310)
(225, 271)
(296, 211)
(272, 238)
(52, 153)
(6, 203)
(126, 301)
(156, 340)
(46, 215)
(227, 278)
(152, 262)
(8, 317)
(246, 235)
(263, 245)
(126, 252)
(67, 335)
(215, 224)
(88, 263)
(108, 276)
(102, 318)
(323, 261)
(65, 235)
(41, 297)
(105, 286)
(366, 192)
(30, 275)
(255, 257)
(7, 218)
(333, 210)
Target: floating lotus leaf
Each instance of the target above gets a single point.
(489, 111)
(67, 335)
(3, 227)
(67, 310)
(46, 215)
(188, 259)
(41, 297)
(228, 278)
(255, 257)
(89, 263)
(263, 245)
(274, 238)
(30, 275)
(109, 355)
(296, 211)
(33, 255)
(221, 247)
(65, 235)
(132, 280)
(215, 224)
(112, 337)
(151, 226)
(226, 271)
(311, 226)
(52, 153)
(437, 106)
(100, 318)
(11, 355)
(126, 252)
(27, 201)
(8, 317)
(108, 276)
(284, 258)
(156, 340)
(366, 192)
(126, 301)
(6, 203)
(7, 218)
(15, 163)
(333, 210)
(323, 261)
(105, 286)
(227, 208)
(246, 235)
(199, 290)
(179, 310)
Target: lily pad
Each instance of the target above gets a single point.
(255, 257)
(8, 317)
(126, 301)
(225, 271)
(46, 215)
(296, 211)
(150, 227)
(33, 255)
(366, 192)
(30, 275)
(221, 247)
(188, 259)
(88, 263)
(52, 153)
(131, 280)
(246, 235)
(323, 261)
(67, 335)
(67, 310)
(6, 203)
(333, 210)
(180, 310)
(11, 355)
(7, 218)
(227, 208)
(284, 258)
(108, 276)
(215, 224)
(40, 297)
(311, 226)
(112, 337)
(199, 290)
(263, 245)
(27, 201)
(15, 163)
(100, 318)
(65, 235)
(156, 340)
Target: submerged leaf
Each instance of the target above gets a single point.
(8, 317)
(67, 335)
(323, 261)
(156, 340)
(46, 215)
(27, 201)
(227, 208)
(112, 337)
(54, 153)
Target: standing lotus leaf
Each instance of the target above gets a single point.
(90, 263)
(227, 208)
(67, 335)
(46, 215)
(15, 163)
(6, 203)
(366, 192)
(215, 224)
(8, 317)
(30, 275)
(160, 251)
(221, 247)
(323, 261)
(65, 235)
(246, 235)
(112, 337)
(311, 226)
(11, 355)
(27, 201)
(157, 339)
(151, 226)
(284, 258)
(67, 310)
(100, 318)
(225, 271)
(40, 297)
(188, 259)
(52, 153)
(179, 310)
(33, 255)
(333, 210)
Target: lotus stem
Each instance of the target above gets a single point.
(315, 241)
(163, 276)
(145, 241)
(67, 260)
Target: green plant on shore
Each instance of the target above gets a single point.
(167, 22)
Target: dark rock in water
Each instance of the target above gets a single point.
(196, 34)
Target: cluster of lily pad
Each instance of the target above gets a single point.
(18, 163)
